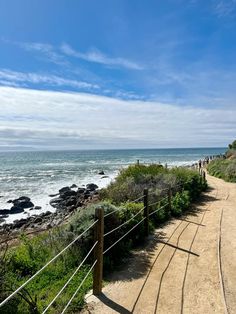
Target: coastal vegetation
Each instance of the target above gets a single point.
(121, 200)
(225, 168)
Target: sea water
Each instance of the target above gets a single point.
(38, 174)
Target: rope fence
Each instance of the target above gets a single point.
(77, 290)
(123, 236)
(158, 209)
(71, 277)
(125, 223)
(99, 237)
(46, 265)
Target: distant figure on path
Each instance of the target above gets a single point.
(200, 164)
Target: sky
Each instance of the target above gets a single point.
(117, 74)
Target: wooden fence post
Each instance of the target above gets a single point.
(98, 251)
(169, 198)
(146, 212)
(204, 176)
(201, 176)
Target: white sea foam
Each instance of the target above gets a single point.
(43, 198)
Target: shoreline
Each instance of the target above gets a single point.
(63, 205)
(45, 212)
(44, 201)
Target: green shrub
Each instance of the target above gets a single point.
(180, 202)
(130, 183)
(224, 169)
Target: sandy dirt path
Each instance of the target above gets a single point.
(189, 266)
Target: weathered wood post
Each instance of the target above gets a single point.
(146, 212)
(169, 199)
(201, 176)
(98, 251)
(204, 176)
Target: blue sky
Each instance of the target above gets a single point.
(156, 56)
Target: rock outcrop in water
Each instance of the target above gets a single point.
(69, 199)
(19, 205)
(66, 201)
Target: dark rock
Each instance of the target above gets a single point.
(73, 186)
(19, 223)
(105, 177)
(91, 186)
(71, 201)
(79, 203)
(55, 201)
(53, 195)
(63, 190)
(37, 207)
(48, 213)
(10, 201)
(80, 190)
(1, 220)
(22, 202)
(71, 208)
(87, 192)
(101, 172)
(4, 211)
(68, 193)
(38, 220)
(16, 210)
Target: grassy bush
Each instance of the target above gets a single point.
(24, 260)
(130, 183)
(224, 169)
(180, 203)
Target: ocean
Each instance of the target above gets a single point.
(38, 174)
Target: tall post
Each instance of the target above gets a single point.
(204, 176)
(146, 212)
(201, 176)
(169, 199)
(98, 251)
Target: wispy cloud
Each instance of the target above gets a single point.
(224, 8)
(46, 50)
(59, 55)
(13, 78)
(98, 57)
(75, 120)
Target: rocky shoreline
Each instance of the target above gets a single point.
(66, 201)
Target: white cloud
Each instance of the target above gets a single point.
(98, 57)
(46, 119)
(12, 78)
